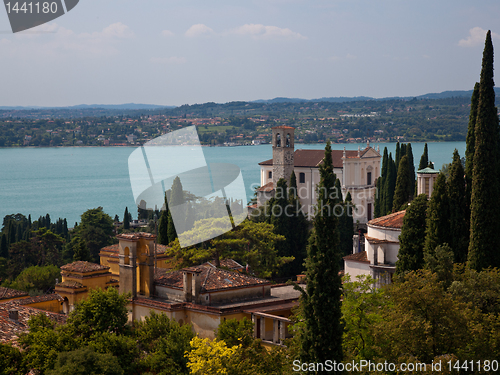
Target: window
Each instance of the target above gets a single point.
(269, 174)
(302, 178)
(278, 140)
(369, 178)
(288, 140)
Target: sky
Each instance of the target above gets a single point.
(169, 52)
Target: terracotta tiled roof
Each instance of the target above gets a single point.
(283, 127)
(376, 241)
(211, 279)
(394, 220)
(7, 293)
(136, 236)
(358, 257)
(83, 266)
(70, 284)
(267, 187)
(11, 329)
(313, 158)
(226, 263)
(36, 299)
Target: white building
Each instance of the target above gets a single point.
(381, 250)
(357, 171)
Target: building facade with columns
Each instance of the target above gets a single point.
(357, 170)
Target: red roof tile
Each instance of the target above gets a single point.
(160, 249)
(267, 187)
(11, 329)
(83, 267)
(283, 127)
(375, 241)
(70, 284)
(136, 236)
(313, 158)
(36, 299)
(211, 279)
(358, 257)
(7, 293)
(394, 220)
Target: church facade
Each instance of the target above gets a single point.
(356, 170)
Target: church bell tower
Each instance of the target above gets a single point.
(283, 149)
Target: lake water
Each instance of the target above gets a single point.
(65, 182)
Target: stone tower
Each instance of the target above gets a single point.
(283, 149)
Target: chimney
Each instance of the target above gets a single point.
(14, 315)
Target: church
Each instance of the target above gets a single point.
(357, 171)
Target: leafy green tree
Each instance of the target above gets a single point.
(11, 361)
(80, 250)
(85, 361)
(47, 246)
(471, 143)
(459, 210)
(412, 237)
(37, 279)
(121, 346)
(362, 303)
(21, 256)
(103, 311)
(403, 192)
(484, 234)
(438, 214)
(424, 159)
(235, 332)
(440, 262)
(321, 338)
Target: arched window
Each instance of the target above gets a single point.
(126, 252)
(278, 140)
(288, 140)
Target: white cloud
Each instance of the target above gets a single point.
(168, 60)
(198, 30)
(167, 33)
(266, 32)
(476, 37)
(351, 57)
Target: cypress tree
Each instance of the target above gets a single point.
(398, 155)
(380, 193)
(390, 186)
(298, 231)
(411, 170)
(471, 143)
(438, 214)
(346, 226)
(321, 337)
(176, 198)
(126, 219)
(459, 211)
(163, 225)
(484, 202)
(4, 249)
(424, 159)
(412, 237)
(403, 190)
(280, 220)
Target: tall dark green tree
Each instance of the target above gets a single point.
(484, 233)
(389, 186)
(438, 215)
(163, 225)
(403, 192)
(346, 226)
(176, 198)
(471, 143)
(459, 210)
(411, 170)
(4, 249)
(280, 220)
(126, 219)
(379, 209)
(412, 237)
(424, 159)
(321, 338)
(398, 156)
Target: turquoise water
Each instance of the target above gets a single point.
(65, 182)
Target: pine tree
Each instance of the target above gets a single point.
(471, 143)
(438, 214)
(126, 219)
(412, 237)
(424, 159)
(403, 190)
(459, 210)
(321, 338)
(484, 234)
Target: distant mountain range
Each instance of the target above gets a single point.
(340, 99)
(343, 99)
